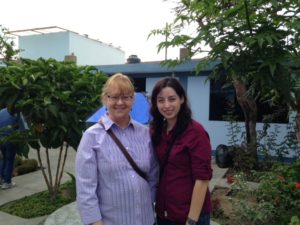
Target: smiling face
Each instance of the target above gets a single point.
(168, 104)
(118, 105)
(118, 96)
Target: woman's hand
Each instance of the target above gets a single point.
(198, 197)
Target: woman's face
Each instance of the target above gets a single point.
(118, 105)
(169, 103)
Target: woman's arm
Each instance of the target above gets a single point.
(87, 180)
(198, 196)
(153, 173)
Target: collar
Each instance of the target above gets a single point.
(108, 123)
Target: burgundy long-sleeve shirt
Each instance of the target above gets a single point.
(189, 160)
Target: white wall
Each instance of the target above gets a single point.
(53, 45)
(58, 45)
(93, 52)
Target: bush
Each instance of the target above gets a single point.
(295, 220)
(278, 187)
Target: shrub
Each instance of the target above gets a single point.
(278, 188)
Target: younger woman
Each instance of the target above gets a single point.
(184, 153)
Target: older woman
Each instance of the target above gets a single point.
(109, 189)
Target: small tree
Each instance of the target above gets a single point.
(255, 41)
(55, 98)
(7, 45)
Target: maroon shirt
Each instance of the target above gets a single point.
(189, 160)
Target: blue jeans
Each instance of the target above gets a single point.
(203, 220)
(9, 153)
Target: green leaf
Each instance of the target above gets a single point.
(260, 41)
(272, 68)
(47, 100)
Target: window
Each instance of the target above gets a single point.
(139, 84)
(223, 103)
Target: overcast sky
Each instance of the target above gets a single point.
(124, 23)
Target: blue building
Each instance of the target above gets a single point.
(206, 98)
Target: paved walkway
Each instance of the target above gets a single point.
(31, 183)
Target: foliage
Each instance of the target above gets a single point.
(55, 99)
(72, 186)
(234, 134)
(278, 194)
(254, 214)
(271, 148)
(290, 140)
(278, 188)
(295, 221)
(19, 138)
(38, 204)
(256, 43)
(278, 199)
(217, 211)
(7, 45)
(242, 160)
(274, 200)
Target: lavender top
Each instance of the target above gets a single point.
(108, 188)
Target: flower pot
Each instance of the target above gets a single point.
(230, 179)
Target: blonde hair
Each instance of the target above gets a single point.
(120, 82)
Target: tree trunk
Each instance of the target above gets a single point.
(296, 107)
(60, 169)
(298, 126)
(249, 108)
(43, 172)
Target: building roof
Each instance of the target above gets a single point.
(153, 68)
(53, 29)
(40, 30)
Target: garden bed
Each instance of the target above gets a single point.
(225, 205)
(273, 199)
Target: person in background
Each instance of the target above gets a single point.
(184, 153)
(109, 190)
(8, 124)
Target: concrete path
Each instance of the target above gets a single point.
(31, 183)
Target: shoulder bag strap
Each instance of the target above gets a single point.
(165, 162)
(126, 154)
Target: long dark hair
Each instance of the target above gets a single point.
(184, 116)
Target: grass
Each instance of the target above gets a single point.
(39, 204)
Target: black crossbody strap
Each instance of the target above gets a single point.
(125, 153)
(165, 162)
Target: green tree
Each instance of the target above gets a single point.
(7, 45)
(55, 98)
(255, 41)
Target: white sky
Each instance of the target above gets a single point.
(124, 23)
